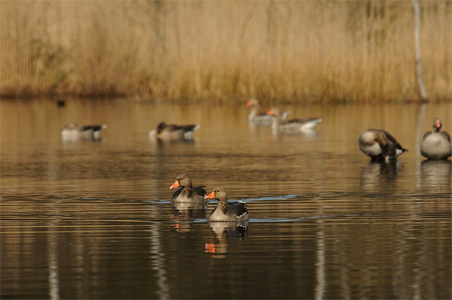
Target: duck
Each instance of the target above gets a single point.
(261, 118)
(226, 212)
(187, 192)
(173, 132)
(74, 131)
(304, 125)
(436, 144)
(379, 145)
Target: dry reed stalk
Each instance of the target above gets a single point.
(288, 51)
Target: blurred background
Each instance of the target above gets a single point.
(223, 50)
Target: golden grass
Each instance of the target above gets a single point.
(222, 50)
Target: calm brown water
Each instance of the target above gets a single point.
(94, 219)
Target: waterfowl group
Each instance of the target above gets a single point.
(74, 131)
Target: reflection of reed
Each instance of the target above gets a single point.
(54, 280)
(321, 261)
(158, 261)
(223, 232)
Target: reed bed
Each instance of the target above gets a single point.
(303, 51)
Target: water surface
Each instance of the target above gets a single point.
(94, 219)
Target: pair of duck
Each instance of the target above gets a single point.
(223, 212)
(74, 131)
(277, 120)
(380, 146)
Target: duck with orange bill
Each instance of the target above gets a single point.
(225, 211)
(303, 125)
(186, 192)
(436, 143)
(261, 118)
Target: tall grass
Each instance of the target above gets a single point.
(275, 50)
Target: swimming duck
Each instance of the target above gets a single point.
(379, 145)
(306, 124)
(173, 132)
(227, 212)
(436, 143)
(74, 131)
(187, 192)
(261, 118)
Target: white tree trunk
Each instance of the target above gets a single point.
(417, 48)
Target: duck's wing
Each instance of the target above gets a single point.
(199, 190)
(184, 128)
(445, 135)
(426, 135)
(237, 208)
(302, 121)
(93, 127)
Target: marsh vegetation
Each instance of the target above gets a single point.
(285, 51)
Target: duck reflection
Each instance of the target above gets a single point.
(308, 134)
(379, 176)
(436, 174)
(183, 217)
(225, 231)
(183, 214)
(164, 143)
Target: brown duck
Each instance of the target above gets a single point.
(436, 143)
(187, 192)
(227, 212)
(379, 145)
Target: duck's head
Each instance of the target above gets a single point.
(437, 124)
(218, 193)
(181, 180)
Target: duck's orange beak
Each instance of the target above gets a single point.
(210, 196)
(249, 103)
(175, 185)
(270, 112)
(437, 124)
